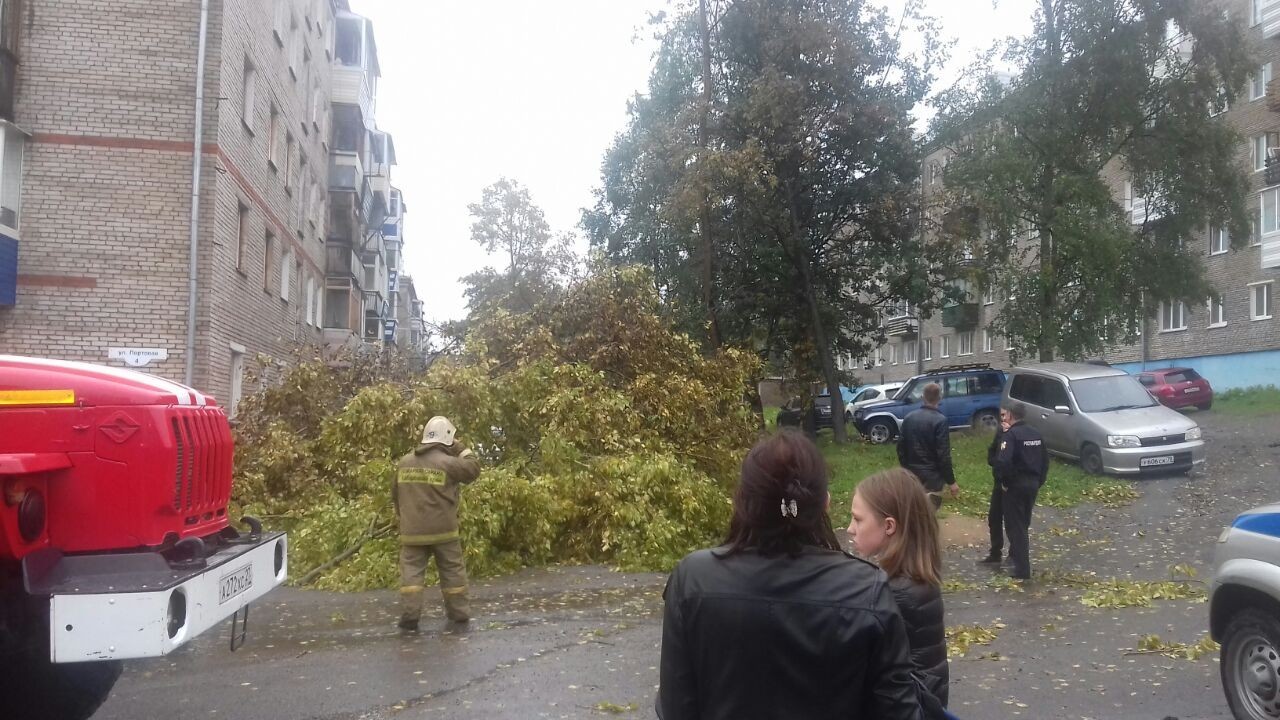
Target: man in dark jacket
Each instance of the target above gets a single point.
(995, 509)
(924, 446)
(1022, 464)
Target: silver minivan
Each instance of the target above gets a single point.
(1104, 418)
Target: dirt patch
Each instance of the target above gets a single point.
(962, 531)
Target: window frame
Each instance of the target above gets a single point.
(1219, 240)
(1182, 316)
(1214, 306)
(248, 95)
(988, 341)
(268, 260)
(1269, 294)
(945, 347)
(909, 352)
(1264, 72)
(242, 234)
(966, 335)
(928, 348)
(1263, 232)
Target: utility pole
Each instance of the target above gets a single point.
(704, 219)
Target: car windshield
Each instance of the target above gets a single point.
(822, 401)
(912, 393)
(1115, 392)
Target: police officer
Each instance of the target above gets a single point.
(995, 508)
(1022, 465)
(426, 495)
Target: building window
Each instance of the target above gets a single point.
(281, 27)
(311, 301)
(1260, 300)
(893, 354)
(946, 346)
(288, 161)
(879, 356)
(1219, 240)
(1258, 82)
(1261, 148)
(242, 234)
(928, 348)
(1173, 316)
(1220, 104)
(909, 350)
(286, 264)
(268, 261)
(1255, 12)
(1217, 312)
(966, 343)
(988, 341)
(989, 295)
(237, 379)
(248, 94)
(273, 137)
(296, 182)
(319, 300)
(297, 46)
(1269, 212)
(12, 145)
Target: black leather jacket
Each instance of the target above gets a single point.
(818, 635)
(924, 447)
(922, 611)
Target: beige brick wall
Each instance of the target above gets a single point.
(107, 89)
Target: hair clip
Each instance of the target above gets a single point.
(789, 508)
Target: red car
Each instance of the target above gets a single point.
(1178, 388)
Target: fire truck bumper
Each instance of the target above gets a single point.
(135, 605)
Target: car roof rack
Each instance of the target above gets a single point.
(957, 368)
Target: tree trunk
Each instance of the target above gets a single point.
(704, 220)
(1048, 300)
(817, 330)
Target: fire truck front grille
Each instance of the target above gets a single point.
(202, 462)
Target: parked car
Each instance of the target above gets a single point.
(1105, 419)
(1178, 388)
(818, 410)
(869, 394)
(970, 398)
(1244, 613)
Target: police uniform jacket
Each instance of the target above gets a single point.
(811, 636)
(1022, 458)
(427, 491)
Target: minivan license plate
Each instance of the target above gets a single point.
(1155, 461)
(235, 583)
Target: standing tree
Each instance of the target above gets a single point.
(1106, 95)
(802, 168)
(507, 222)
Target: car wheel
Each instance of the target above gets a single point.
(879, 432)
(1091, 460)
(1250, 665)
(1205, 406)
(987, 420)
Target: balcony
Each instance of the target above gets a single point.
(345, 227)
(1144, 210)
(355, 64)
(346, 171)
(1270, 12)
(902, 326)
(963, 316)
(1271, 173)
(342, 262)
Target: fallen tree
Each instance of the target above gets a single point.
(605, 436)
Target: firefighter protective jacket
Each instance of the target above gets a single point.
(427, 491)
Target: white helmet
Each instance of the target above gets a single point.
(439, 431)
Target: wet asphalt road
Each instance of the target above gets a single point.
(582, 642)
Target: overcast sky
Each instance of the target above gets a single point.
(534, 91)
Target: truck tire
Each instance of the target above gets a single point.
(36, 689)
(879, 431)
(986, 421)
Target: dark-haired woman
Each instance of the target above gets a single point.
(779, 622)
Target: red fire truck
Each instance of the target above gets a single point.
(114, 537)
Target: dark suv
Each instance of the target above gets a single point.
(970, 398)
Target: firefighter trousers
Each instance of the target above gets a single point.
(453, 579)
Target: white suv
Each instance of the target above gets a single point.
(869, 394)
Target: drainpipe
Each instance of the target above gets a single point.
(197, 157)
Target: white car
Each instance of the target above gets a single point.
(869, 394)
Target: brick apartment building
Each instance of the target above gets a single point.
(97, 109)
(1233, 339)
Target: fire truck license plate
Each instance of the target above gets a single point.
(234, 583)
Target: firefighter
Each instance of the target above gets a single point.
(1022, 465)
(426, 493)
